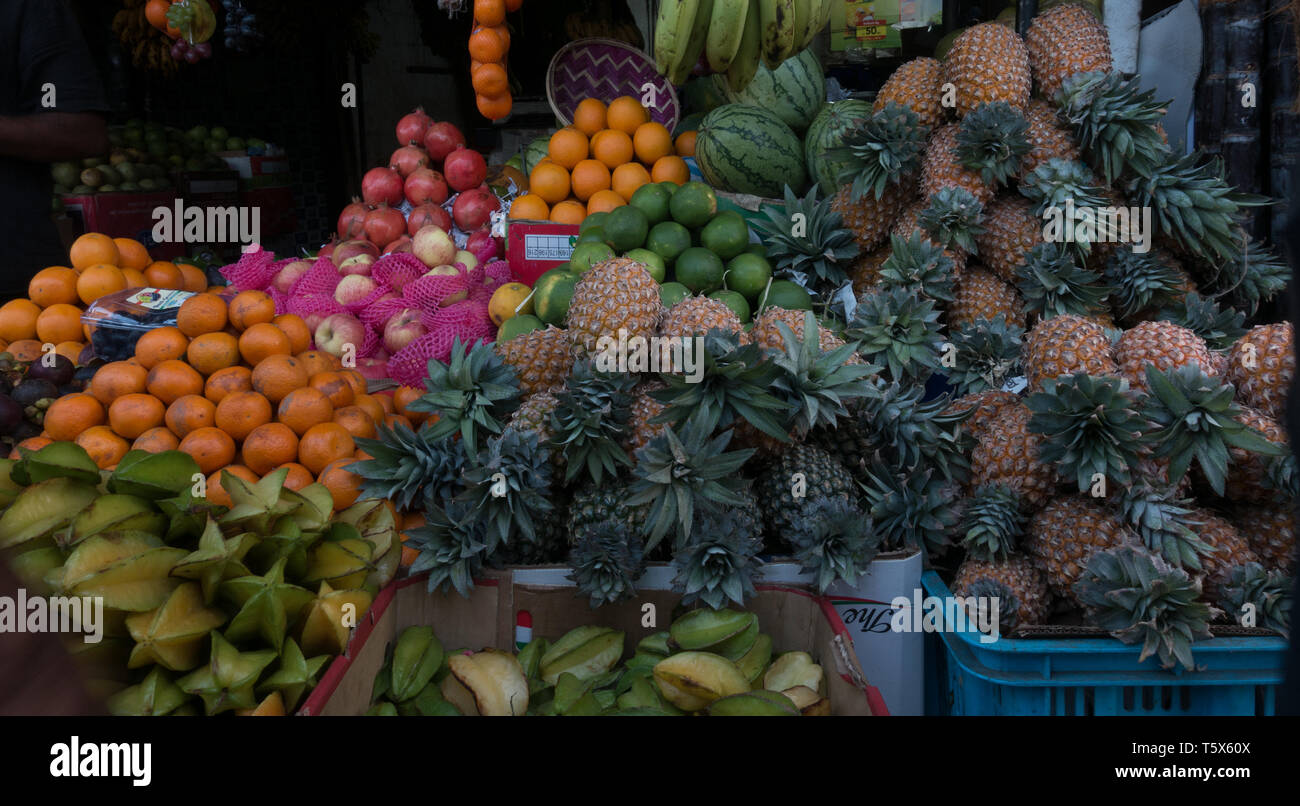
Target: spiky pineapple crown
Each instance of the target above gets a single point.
(899, 330)
(982, 592)
(733, 384)
(590, 416)
(509, 487)
(807, 236)
(1140, 281)
(1250, 276)
(1269, 592)
(991, 140)
(885, 148)
(916, 264)
(1114, 120)
(1163, 521)
(952, 218)
(833, 539)
(913, 433)
(1090, 427)
(914, 510)
(1282, 475)
(471, 394)
(720, 560)
(816, 387)
(993, 523)
(1140, 598)
(1054, 284)
(1058, 180)
(987, 355)
(452, 546)
(1220, 327)
(606, 562)
(1194, 418)
(406, 465)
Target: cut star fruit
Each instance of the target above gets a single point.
(374, 519)
(115, 512)
(216, 559)
(156, 695)
(225, 683)
(271, 705)
(344, 562)
(173, 636)
(494, 679)
(43, 508)
(693, 680)
(257, 506)
(129, 570)
(56, 460)
(330, 619)
(792, 669)
(296, 675)
(267, 605)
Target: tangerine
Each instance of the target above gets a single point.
(651, 141)
(357, 421)
(190, 413)
(211, 447)
(303, 408)
(344, 485)
(72, 414)
(239, 413)
(671, 169)
(296, 329)
(530, 207)
(99, 280)
(131, 254)
(372, 407)
(277, 376)
(335, 387)
(569, 212)
(325, 443)
(159, 345)
(119, 378)
(589, 116)
(105, 448)
(52, 286)
(201, 313)
(93, 248)
(156, 440)
(228, 380)
(171, 380)
(628, 177)
(216, 490)
(25, 349)
(18, 319)
(315, 361)
(567, 147)
(250, 308)
(261, 341)
(298, 476)
(213, 352)
(132, 415)
(403, 397)
(604, 201)
(193, 277)
(31, 444)
(550, 181)
(164, 274)
(612, 147)
(268, 446)
(626, 114)
(589, 178)
(685, 143)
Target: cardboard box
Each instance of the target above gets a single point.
(535, 247)
(795, 618)
(123, 215)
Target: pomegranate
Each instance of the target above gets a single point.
(473, 209)
(483, 245)
(383, 225)
(407, 159)
(328, 249)
(427, 214)
(352, 220)
(441, 139)
(350, 249)
(464, 169)
(402, 243)
(424, 185)
(382, 186)
(412, 127)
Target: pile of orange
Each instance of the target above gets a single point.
(489, 43)
(597, 163)
(57, 295)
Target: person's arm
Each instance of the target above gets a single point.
(53, 136)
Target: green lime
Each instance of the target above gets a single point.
(625, 228)
(551, 295)
(593, 220)
(699, 270)
(652, 200)
(785, 294)
(693, 205)
(672, 293)
(668, 240)
(589, 253)
(592, 235)
(734, 301)
(518, 325)
(726, 235)
(757, 249)
(748, 274)
(656, 265)
(671, 187)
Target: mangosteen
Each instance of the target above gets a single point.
(6, 386)
(84, 374)
(70, 388)
(11, 414)
(25, 430)
(55, 368)
(33, 389)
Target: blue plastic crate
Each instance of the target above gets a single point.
(1094, 676)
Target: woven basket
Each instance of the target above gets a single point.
(606, 69)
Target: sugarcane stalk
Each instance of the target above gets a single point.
(1211, 93)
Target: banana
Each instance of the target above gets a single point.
(726, 29)
(803, 12)
(673, 28)
(777, 18)
(745, 64)
(680, 71)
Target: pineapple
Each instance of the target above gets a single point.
(993, 140)
(409, 468)
(898, 329)
(614, 294)
(804, 469)
(1220, 327)
(943, 168)
(534, 415)
(899, 426)
(1253, 274)
(988, 62)
(864, 272)
(915, 85)
(1247, 480)
(1162, 345)
(1143, 284)
(1229, 549)
(833, 539)
(1261, 365)
(1054, 284)
(767, 335)
(915, 264)
(541, 359)
(589, 422)
(1115, 120)
(550, 543)
(697, 315)
(822, 252)
(1048, 138)
(593, 503)
(1268, 591)
(606, 561)
(1270, 531)
(720, 560)
(1064, 345)
(509, 487)
(984, 408)
(1090, 428)
(987, 355)
(1007, 452)
(1066, 533)
(1010, 230)
(913, 510)
(1063, 41)
(981, 295)
(909, 223)
(640, 429)
(1015, 581)
(869, 219)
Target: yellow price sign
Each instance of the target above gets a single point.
(872, 30)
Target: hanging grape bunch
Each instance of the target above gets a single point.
(241, 26)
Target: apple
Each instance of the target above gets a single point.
(357, 246)
(433, 246)
(286, 277)
(373, 368)
(313, 320)
(357, 264)
(466, 259)
(328, 249)
(402, 243)
(403, 329)
(338, 331)
(353, 288)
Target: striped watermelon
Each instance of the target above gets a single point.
(745, 149)
(827, 132)
(795, 90)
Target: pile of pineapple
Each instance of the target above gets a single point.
(1080, 423)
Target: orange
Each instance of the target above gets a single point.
(93, 248)
(217, 493)
(261, 341)
(604, 201)
(228, 380)
(159, 345)
(172, 380)
(296, 329)
(156, 440)
(385, 401)
(357, 421)
(569, 212)
(59, 322)
(612, 147)
(344, 485)
(70, 350)
(490, 79)
(134, 278)
(99, 280)
(201, 313)
(371, 406)
(486, 45)
(164, 274)
(132, 254)
(18, 319)
(193, 277)
(494, 107)
(530, 207)
(303, 408)
(239, 413)
(589, 116)
(298, 476)
(628, 177)
(335, 387)
(403, 397)
(354, 379)
(671, 169)
(626, 113)
(25, 349)
(189, 414)
(325, 443)
(71, 414)
(249, 308)
(52, 286)
(685, 144)
(315, 361)
(275, 377)
(589, 177)
(651, 141)
(31, 444)
(550, 181)
(568, 147)
(489, 12)
(133, 415)
(393, 420)
(268, 447)
(211, 447)
(114, 380)
(503, 33)
(106, 449)
(213, 352)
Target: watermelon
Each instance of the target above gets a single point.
(689, 123)
(704, 94)
(535, 152)
(745, 149)
(827, 132)
(795, 90)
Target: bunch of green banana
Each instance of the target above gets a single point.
(789, 26)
